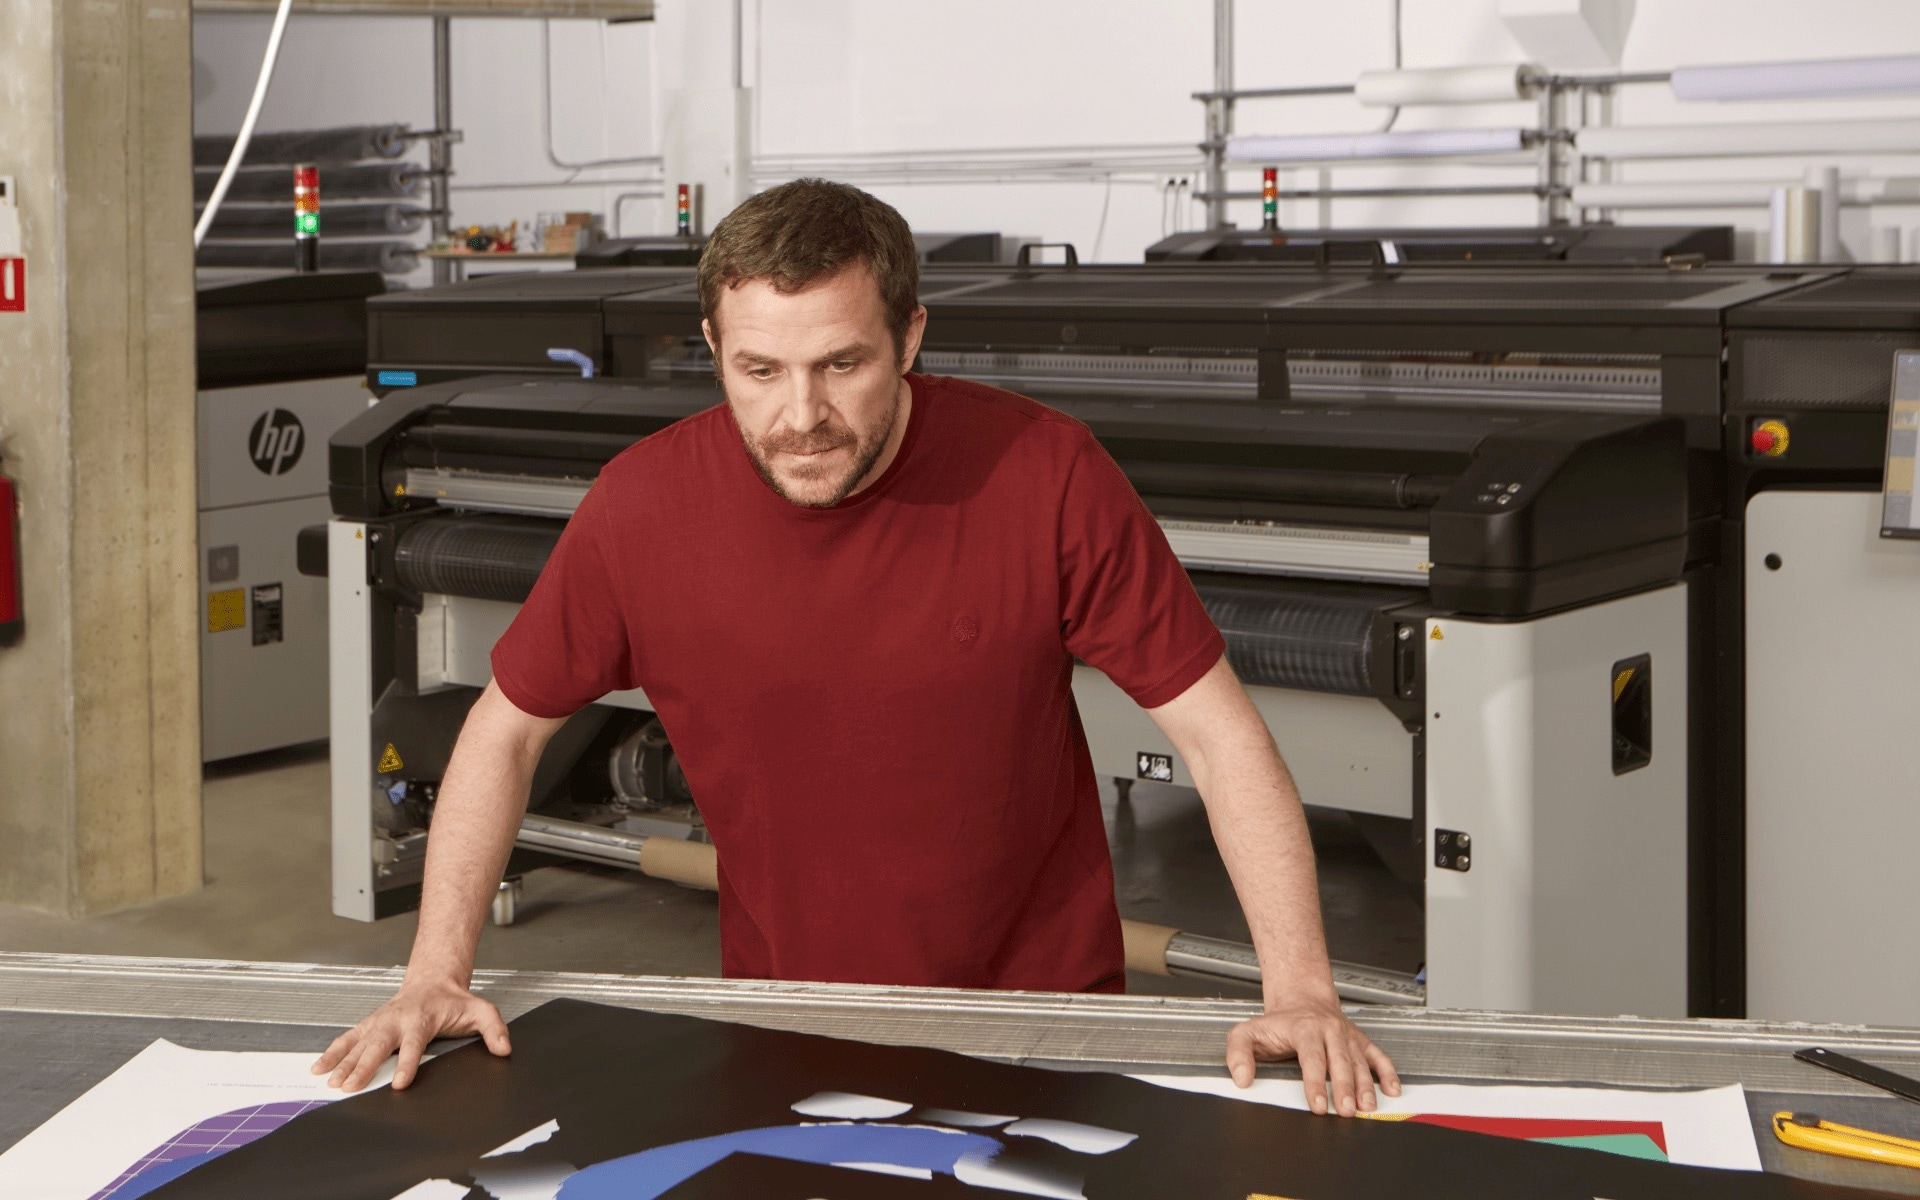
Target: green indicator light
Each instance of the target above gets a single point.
(307, 224)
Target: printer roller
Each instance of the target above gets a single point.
(1311, 635)
(1315, 636)
(486, 558)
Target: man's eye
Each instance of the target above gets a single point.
(842, 366)
(759, 372)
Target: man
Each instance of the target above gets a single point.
(855, 595)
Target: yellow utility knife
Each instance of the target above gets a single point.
(1808, 1132)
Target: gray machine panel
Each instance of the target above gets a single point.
(1833, 780)
(263, 625)
(263, 652)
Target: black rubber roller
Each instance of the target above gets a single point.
(1303, 634)
(486, 558)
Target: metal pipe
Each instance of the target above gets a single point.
(1318, 89)
(1220, 113)
(1486, 189)
(440, 149)
(1155, 949)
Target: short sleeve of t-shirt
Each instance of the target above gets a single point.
(569, 646)
(1127, 606)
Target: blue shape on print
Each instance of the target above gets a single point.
(651, 1173)
(166, 1172)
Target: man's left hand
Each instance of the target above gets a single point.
(1330, 1049)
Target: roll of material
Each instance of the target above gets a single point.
(1446, 85)
(1891, 75)
(1752, 140)
(1794, 227)
(348, 144)
(1299, 485)
(1825, 183)
(388, 258)
(1407, 143)
(486, 558)
(339, 220)
(274, 185)
(1295, 634)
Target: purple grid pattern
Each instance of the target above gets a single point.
(215, 1134)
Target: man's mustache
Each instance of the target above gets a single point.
(816, 442)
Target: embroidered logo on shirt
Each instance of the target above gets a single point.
(965, 629)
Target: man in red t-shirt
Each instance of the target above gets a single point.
(854, 596)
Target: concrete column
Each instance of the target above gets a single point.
(99, 704)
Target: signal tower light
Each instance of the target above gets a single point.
(306, 218)
(1270, 200)
(683, 214)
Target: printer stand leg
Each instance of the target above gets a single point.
(1122, 789)
(506, 901)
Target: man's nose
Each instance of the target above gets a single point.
(806, 407)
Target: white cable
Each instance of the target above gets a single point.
(246, 127)
(546, 108)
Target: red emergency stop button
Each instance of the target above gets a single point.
(1770, 438)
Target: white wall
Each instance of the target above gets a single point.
(851, 80)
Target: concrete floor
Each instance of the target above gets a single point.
(267, 894)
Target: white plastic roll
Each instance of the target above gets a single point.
(1409, 143)
(1886, 243)
(1727, 193)
(1794, 236)
(1825, 183)
(1446, 85)
(1889, 76)
(1753, 140)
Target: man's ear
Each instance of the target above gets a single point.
(910, 344)
(713, 341)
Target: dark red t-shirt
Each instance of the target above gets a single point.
(872, 702)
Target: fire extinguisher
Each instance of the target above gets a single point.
(10, 615)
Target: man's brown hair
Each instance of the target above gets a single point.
(802, 232)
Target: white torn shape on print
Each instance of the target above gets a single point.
(981, 1170)
(846, 1106)
(532, 1137)
(1072, 1135)
(435, 1189)
(522, 1181)
(879, 1168)
(965, 1120)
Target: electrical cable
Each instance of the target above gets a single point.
(1100, 232)
(1393, 114)
(546, 110)
(245, 135)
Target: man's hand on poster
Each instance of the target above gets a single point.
(417, 1014)
(1330, 1049)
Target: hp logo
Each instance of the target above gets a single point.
(276, 442)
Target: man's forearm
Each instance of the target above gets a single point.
(1262, 834)
(1260, 829)
(475, 819)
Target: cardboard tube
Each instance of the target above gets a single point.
(1146, 946)
(693, 864)
(1445, 85)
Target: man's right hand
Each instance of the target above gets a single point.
(417, 1014)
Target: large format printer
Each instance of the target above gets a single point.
(1654, 244)
(1416, 352)
(1821, 614)
(280, 358)
(1465, 565)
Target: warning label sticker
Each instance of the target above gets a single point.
(390, 761)
(226, 610)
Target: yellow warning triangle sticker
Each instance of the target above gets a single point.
(390, 761)
(1436, 635)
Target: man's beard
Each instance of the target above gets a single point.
(866, 452)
